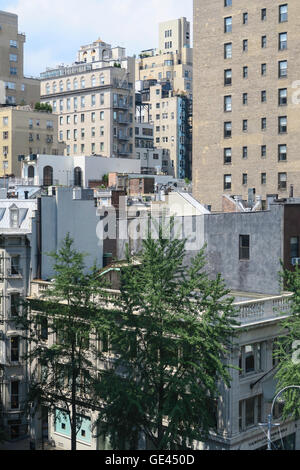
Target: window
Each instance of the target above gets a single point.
(227, 156)
(294, 247)
(227, 182)
(245, 45)
(245, 98)
(15, 265)
(15, 349)
(245, 152)
(264, 42)
(78, 177)
(13, 43)
(283, 13)
(13, 57)
(245, 72)
(227, 130)
(282, 42)
(263, 14)
(263, 69)
(82, 118)
(263, 178)
(282, 181)
(228, 51)
(245, 125)
(245, 18)
(245, 179)
(263, 96)
(250, 358)
(282, 69)
(14, 395)
(263, 124)
(82, 101)
(282, 97)
(48, 176)
(263, 151)
(228, 24)
(102, 116)
(14, 305)
(227, 77)
(227, 3)
(282, 153)
(244, 252)
(282, 125)
(68, 85)
(250, 412)
(82, 82)
(227, 104)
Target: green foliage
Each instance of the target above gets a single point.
(288, 350)
(60, 330)
(171, 342)
(43, 107)
(105, 180)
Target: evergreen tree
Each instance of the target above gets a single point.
(171, 343)
(288, 348)
(63, 373)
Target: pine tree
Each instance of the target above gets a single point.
(288, 347)
(171, 343)
(63, 374)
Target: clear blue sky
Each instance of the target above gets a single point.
(55, 29)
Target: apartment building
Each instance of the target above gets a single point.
(246, 106)
(31, 228)
(94, 99)
(173, 60)
(24, 131)
(15, 89)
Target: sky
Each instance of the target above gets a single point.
(55, 29)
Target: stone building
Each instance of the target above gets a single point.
(246, 107)
(94, 99)
(15, 89)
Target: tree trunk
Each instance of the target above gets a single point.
(73, 399)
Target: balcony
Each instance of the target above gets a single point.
(123, 120)
(263, 308)
(120, 105)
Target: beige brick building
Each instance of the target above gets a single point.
(14, 87)
(94, 99)
(173, 60)
(246, 106)
(26, 132)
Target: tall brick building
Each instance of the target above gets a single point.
(246, 99)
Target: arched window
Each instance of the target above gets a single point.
(31, 171)
(48, 89)
(54, 87)
(61, 86)
(77, 177)
(75, 84)
(48, 176)
(68, 85)
(93, 80)
(82, 82)
(101, 79)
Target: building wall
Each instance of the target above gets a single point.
(209, 93)
(25, 132)
(21, 90)
(104, 121)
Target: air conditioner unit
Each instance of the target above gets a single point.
(295, 261)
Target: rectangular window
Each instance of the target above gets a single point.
(245, 72)
(245, 152)
(282, 41)
(227, 3)
(245, 18)
(14, 395)
(282, 181)
(263, 151)
(263, 14)
(282, 69)
(245, 45)
(282, 125)
(263, 124)
(282, 97)
(283, 13)
(13, 57)
(245, 179)
(250, 412)
(227, 156)
(263, 96)
(228, 24)
(294, 247)
(227, 104)
(228, 51)
(263, 178)
(245, 98)
(245, 125)
(244, 252)
(264, 42)
(263, 69)
(282, 153)
(227, 182)
(228, 77)
(227, 130)
(15, 349)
